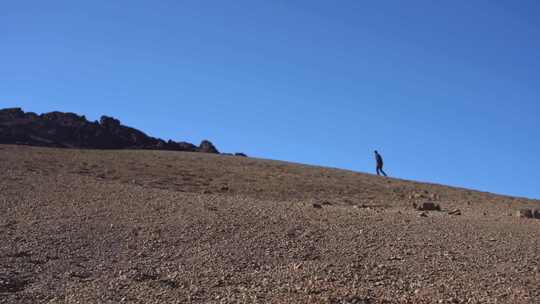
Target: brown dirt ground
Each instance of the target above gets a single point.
(85, 226)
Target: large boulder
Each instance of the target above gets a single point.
(109, 122)
(11, 114)
(207, 147)
(525, 213)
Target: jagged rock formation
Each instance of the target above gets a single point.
(69, 130)
(207, 147)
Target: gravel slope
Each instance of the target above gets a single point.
(84, 226)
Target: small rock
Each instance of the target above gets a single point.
(455, 212)
(11, 284)
(167, 283)
(536, 214)
(429, 206)
(422, 214)
(524, 213)
(354, 300)
(416, 195)
(318, 206)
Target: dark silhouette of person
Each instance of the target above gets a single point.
(379, 160)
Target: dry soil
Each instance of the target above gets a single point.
(86, 226)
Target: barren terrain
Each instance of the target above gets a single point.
(89, 226)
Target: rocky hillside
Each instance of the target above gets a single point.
(125, 226)
(69, 130)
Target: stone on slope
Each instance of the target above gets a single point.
(428, 206)
(455, 212)
(207, 147)
(524, 213)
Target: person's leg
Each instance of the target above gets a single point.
(383, 172)
(378, 168)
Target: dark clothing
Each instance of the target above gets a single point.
(380, 170)
(379, 160)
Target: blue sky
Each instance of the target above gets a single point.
(448, 92)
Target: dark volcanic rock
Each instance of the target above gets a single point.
(11, 284)
(427, 206)
(69, 130)
(207, 147)
(180, 146)
(525, 213)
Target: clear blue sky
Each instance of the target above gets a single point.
(447, 91)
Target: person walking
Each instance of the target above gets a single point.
(379, 160)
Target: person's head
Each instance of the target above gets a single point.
(376, 152)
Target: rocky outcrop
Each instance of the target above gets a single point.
(207, 147)
(69, 130)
